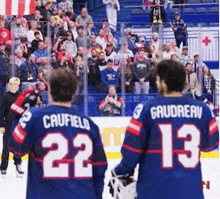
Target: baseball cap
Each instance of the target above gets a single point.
(185, 47)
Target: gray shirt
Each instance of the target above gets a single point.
(84, 20)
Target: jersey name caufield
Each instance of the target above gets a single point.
(176, 111)
(65, 119)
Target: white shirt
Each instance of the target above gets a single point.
(31, 37)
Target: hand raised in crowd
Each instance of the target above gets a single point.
(2, 130)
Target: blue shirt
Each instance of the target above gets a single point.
(109, 77)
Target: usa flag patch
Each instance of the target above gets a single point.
(134, 127)
(213, 127)
(19, 134)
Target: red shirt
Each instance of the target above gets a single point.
(5, 35)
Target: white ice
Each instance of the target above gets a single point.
(15, 188)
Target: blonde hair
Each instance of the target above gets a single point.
(14, 80)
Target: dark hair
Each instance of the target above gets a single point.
(36, 33)
(63, 85)
(110, 61)
(173, 73)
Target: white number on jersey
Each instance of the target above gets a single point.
(137, 111)
(25, 118)
(85, 147)
(190, 146)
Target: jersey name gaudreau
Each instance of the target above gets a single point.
(166, 111)
(64, 119)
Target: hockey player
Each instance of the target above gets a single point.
(66, 156)
(165, 136)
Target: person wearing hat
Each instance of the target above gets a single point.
(109, 76)
(112, 7)
(185, 58)
(180, 30)
(6, 118)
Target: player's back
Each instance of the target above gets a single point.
(66, 155)
(174, 130)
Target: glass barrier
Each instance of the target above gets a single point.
(124, 59)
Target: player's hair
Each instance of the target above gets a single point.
(173, 73)
(63, 85)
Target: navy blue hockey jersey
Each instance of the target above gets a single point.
(165, 136)
(66, 156)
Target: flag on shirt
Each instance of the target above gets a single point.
(17, 7)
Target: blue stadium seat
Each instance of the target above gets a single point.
(137, 12)
(188, 10)
(214, 9)
(194, 1)
(201, 10)
(207, 1)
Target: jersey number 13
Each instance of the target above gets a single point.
(191, 147)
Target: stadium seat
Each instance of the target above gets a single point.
(214, 9)
(137, 12)
(175, 10)
(188, 10)
(194, 1)
(207, 1)
(213, 24)
(147, 11)
(201, 10)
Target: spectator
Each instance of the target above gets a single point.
(109, 76)
(112, 40)
(112, 7)
(21, 67)
(63, 55)
(93, 44)
(20, 31)
(168, 52)
(32, 69)
(54, 8)
(5, 35)
(31, 33)
(197, 65)
(60, 31)
(111, 105)
(53, 61)
(64, 4)
(70, 14)
(70, 45)
(174, 57)
(94, 71)
(142, 44)
(128, 76)
(89, 28)
(185, 58)
(23, 47)
(100, 39)
(208, 80)
(191, 79)
(45, 11)
(44, 71)
(40, 53)
(174, 48)
(157, 16)
(111, 54)
(72, 28)
(105, 27)
(79, 72)
(5, 69)
(84, 18)
(131, 38)
(125, 52)
(53, 28)
(42, 88)
(141, 72)
(100, 62)
(180, 30)
(156, 40)
(80, 39)
(153, 54)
